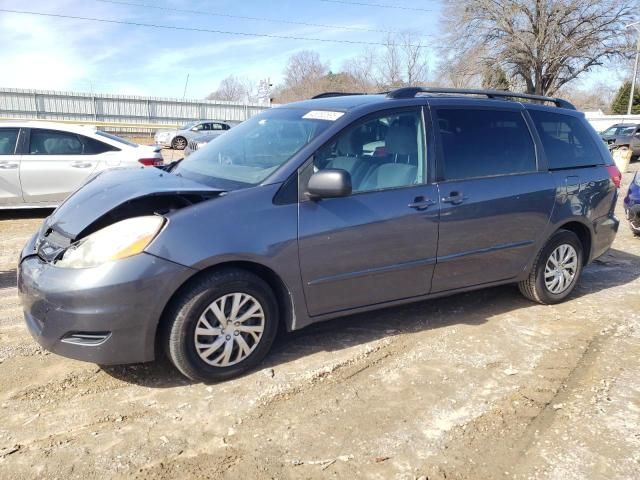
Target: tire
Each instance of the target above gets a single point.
(540, 289)
(179, 143)
(209, 362)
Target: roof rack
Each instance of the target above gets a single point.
(410, 92)
(336, 94)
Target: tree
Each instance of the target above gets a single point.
(303, 75)
(493, 77)
(620, 102)
(230, 89)
(402, 61)
(544, 44)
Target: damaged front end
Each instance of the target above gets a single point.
(137, 202)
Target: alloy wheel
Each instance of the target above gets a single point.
(561, 268)
(229, 329)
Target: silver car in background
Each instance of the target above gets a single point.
(41, 163)
(179, 138)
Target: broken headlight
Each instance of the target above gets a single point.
(119, 240)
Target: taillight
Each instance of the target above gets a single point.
(614, 175)
(150, 162)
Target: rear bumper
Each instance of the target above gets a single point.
(105, 315)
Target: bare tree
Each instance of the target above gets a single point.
(542, 43)
(460, 70)
(402, 61)
(304, 73)
(362, 69)
(231, 89)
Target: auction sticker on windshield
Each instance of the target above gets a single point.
(323, 115)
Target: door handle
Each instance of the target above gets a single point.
(421, 203)
(81, 164)
(456, 198)
(8, 165)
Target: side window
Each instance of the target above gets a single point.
(217, 126)
(382, 152)
(95, 147)
(51, 142)
(199, 127)
(8, 139)
(566, 140)
(481, 143)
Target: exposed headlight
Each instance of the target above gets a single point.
(636, 179)
(120, 240)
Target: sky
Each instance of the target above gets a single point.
(70, 54)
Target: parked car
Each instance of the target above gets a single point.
(632, 204)
(623, 135)
(179, 138)
(41, 163)
(316, 210)
(200, 141)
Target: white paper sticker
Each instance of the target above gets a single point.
(323, 115)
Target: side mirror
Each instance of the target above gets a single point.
(330, 183)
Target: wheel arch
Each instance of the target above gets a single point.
(286, 312)
(584, 234)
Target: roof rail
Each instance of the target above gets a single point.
(410, 92)
(336, 94)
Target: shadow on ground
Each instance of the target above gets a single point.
(473, 308)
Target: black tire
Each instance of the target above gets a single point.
(183, 315)
(534, 287)
(179, 143)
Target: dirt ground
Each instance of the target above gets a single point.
(484, 385)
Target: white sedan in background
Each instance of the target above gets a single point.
(43, 162)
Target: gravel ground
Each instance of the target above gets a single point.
(483, 385)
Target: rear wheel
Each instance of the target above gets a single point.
(556, 269)
(221, 326)
(179, 143)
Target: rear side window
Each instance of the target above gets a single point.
(566, 140)
(8, 139)
(94, 147)
(483, 143)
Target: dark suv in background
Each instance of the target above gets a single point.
(623, 135)
(315, 210)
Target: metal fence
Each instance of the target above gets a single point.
(131, 110)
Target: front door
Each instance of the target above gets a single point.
(379, 243)
(55, 164)
(495, 204)
(10, 192)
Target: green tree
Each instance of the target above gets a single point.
(494, 77)
(621, 100)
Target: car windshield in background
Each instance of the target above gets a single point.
(249, 153)
(618, 131)
(187, 126)
(116, 138)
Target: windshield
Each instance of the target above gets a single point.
(618, 131)
(249, 153)
(116, 138)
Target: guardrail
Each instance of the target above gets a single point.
(128, 113)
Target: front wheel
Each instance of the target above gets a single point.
(179, 143)
(556, 269)
(221, 325)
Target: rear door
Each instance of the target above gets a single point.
(10, 192)
(379, 243)
(495, 199)
(56, 163)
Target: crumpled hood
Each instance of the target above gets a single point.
(112, 188)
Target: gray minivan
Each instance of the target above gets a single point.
(315, 210)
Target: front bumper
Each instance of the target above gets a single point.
(105, 315)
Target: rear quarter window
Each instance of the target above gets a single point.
(566, 141)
